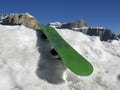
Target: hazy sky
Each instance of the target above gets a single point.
(104, 13)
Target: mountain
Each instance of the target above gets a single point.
(103, 33)
(75, 24)
(82, 26)
(26, 63)
(119, 36)
(79, 25)
(20, 19)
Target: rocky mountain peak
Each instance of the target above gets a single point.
(75, 24)
(81, 25)
(119, 36)
(21, 19)
(104, 33)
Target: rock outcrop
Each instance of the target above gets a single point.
(104, 34)
(75, 24)
(82, 26)
(21, 19)
(119, 36)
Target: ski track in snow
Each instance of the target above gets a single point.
(26, 64)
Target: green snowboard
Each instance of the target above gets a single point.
(70, 57)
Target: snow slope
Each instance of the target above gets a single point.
(26, 64)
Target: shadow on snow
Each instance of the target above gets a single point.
(49, 68)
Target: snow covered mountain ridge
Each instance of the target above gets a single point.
(78, 25)
(82, 26)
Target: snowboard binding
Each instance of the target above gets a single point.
(44, 37)
(55, 54)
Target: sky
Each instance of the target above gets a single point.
(103, 13)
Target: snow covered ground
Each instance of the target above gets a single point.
(26, 64)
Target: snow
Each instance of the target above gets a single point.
(3, 16)
(29, 15)
(97, 28)
(80, 28)
(55, 24)
(26, 64)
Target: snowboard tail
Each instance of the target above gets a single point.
(70, 57)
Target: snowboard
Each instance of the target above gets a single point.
(69, 56)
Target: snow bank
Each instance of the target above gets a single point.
(104, 56)
(26, 64)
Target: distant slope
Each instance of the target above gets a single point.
(105, 34)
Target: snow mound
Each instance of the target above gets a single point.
(26, 64)
(104, 56)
